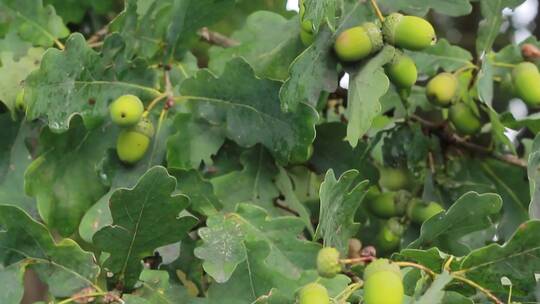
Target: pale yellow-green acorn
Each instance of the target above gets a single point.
(383, 283)
(419, 211)
(328, 265)
(464, 119)
(408, 32)
(526, 79)
(132, 143)
(402, 71)
(358, 42)
(313, 293)
(442, 89)
(126, 111)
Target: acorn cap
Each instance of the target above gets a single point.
(375, 36)
(145, 127)
(381, 265)
(389, 26)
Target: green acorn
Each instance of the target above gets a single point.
(306, 25)
(389, 204)
(442, 89)
(126, 111)
(395, 179)
(313, 293)
(526, 79)
(358, 42)
(408, 32)
(307, 37)
(419, 211)
(383, 283)
(464, 119)
(328, 264)
(402, 71)
(389, 236)
(132, 143)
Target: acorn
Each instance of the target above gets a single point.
(408, 32)
(464, 119)
(526, 79)
(126, 111)
(419, 211)
(132, 143)
(358, 42)
(442, 89)
(402, 71)
(306, 25)
(389, 236)
(383, 283)
(307, 37)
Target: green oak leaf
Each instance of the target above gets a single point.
(534, 178)
(270, 57)
(471, 213)
(63, 178)
(157, 288)
(245, 106)
(11, 277)
(144, 218)
(227, 237)
(194, 142)
(79, 81)
(254, 183)
(332, 152)
(200, 192)
(163, 27)
(13, 43)
(518, 259)
(14, 159)
(35, 22)
(319, 11)
(14, 72)
(490, 27)
(23, 239)
(452, 8)
(435, 293)
(366, 88)
(74, 10)
(443, 56)
(117, 175)
(339, 201)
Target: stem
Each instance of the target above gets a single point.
(447, 263)
(88, 295)
(153, 103)
(377, 10)
(356, 260)
(95, 44)
(215, 38)
(347, 292)
(421, 267)
(491, 296)
(465, 68)
(503, 65)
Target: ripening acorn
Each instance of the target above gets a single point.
(464, 119)
(395, 179)
(402, 71)
(383, 283)
(313, 293)
(389, 236)
(126, 111)
(328, 265)
(442, 89)
(132, 143)
(419, 211)
(358, 42)
(527, 83)
(389, 204)
(408, 32)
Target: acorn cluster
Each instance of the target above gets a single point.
(134, 139)
(383, 281)
(396, 207)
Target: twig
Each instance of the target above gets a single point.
(421, 267)
(478, 287)
(504, 65)
(153, 103)
(377, 10)
(98, 35)
(216, 38)
(286, 208)
(357, 260)
(95, 44)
